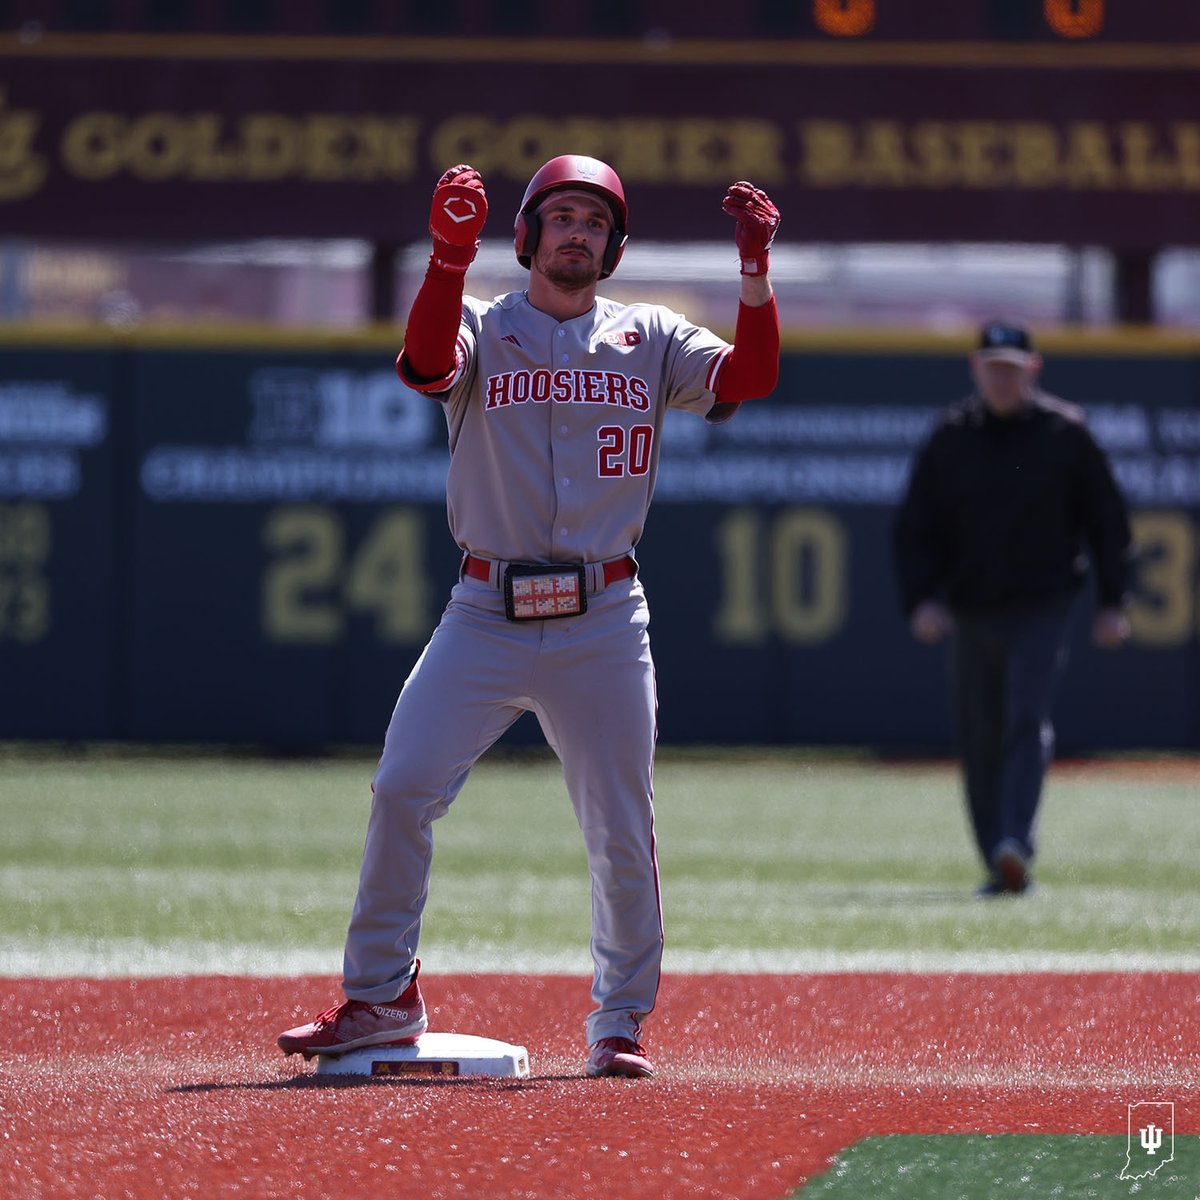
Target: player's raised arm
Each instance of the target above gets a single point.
(751, 369)
(456, 218)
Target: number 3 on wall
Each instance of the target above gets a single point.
(1166, 608)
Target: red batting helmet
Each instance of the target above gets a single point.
(575, 172)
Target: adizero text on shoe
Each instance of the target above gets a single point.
(354, 1023)
(618, 1056)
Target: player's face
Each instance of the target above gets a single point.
(574, 233)
(1005, 386)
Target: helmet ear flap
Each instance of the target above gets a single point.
(528, 234)
(612, 252)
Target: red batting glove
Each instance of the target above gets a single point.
(757, 221)
(456, 219)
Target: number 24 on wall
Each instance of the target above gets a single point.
(313, 583)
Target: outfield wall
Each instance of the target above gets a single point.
(245, 541)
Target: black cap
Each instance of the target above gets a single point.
(1006, 342)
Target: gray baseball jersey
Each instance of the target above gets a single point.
(554, 431)
(555, 427)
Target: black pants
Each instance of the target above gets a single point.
(1006, 666)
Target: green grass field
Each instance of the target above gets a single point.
(122, 861)
(1015, 1166)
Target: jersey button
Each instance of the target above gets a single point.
(563, 531)
(562, 429)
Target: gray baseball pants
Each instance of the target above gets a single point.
(590, 681)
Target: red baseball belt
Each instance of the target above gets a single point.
(619, 568)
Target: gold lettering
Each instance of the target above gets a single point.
(271, 147)
(325, 147)
(641, 150)
(91, 146)
(883, 162)
(699, 150)
(1186, 135)
(210, 160)
(980, 142)
(1088, 161)
(265, 147)
(935, 160)
(332, 147)
(528, 142)
(22, 171)
(827, 158)
(468, 138)
(25, 538)
(157, 147)
(1163, 613)
(688, 150)
(985, 154)
(389, 148)
(1034, 148)
(601, 139)
(25, 598)
(1143, 167)
(756, 152)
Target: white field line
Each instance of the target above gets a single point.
(1002, 1079)
(121, 957)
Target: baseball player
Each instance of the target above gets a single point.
(555, 400)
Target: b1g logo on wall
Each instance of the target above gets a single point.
(311, 435)
(298, 406)
(1151, 1139)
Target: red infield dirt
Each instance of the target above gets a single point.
(174, 1087)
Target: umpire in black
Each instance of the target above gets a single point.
(989, 543)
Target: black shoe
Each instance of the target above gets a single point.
(992, 889)
(1011, 865)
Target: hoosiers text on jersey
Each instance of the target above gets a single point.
(567, 386)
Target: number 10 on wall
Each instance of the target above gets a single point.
(782, 575)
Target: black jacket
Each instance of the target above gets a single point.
(998, 511)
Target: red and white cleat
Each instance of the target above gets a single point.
(618, 1056)
(355, 1023)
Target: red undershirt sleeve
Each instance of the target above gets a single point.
(427, 361)
(751, 367)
